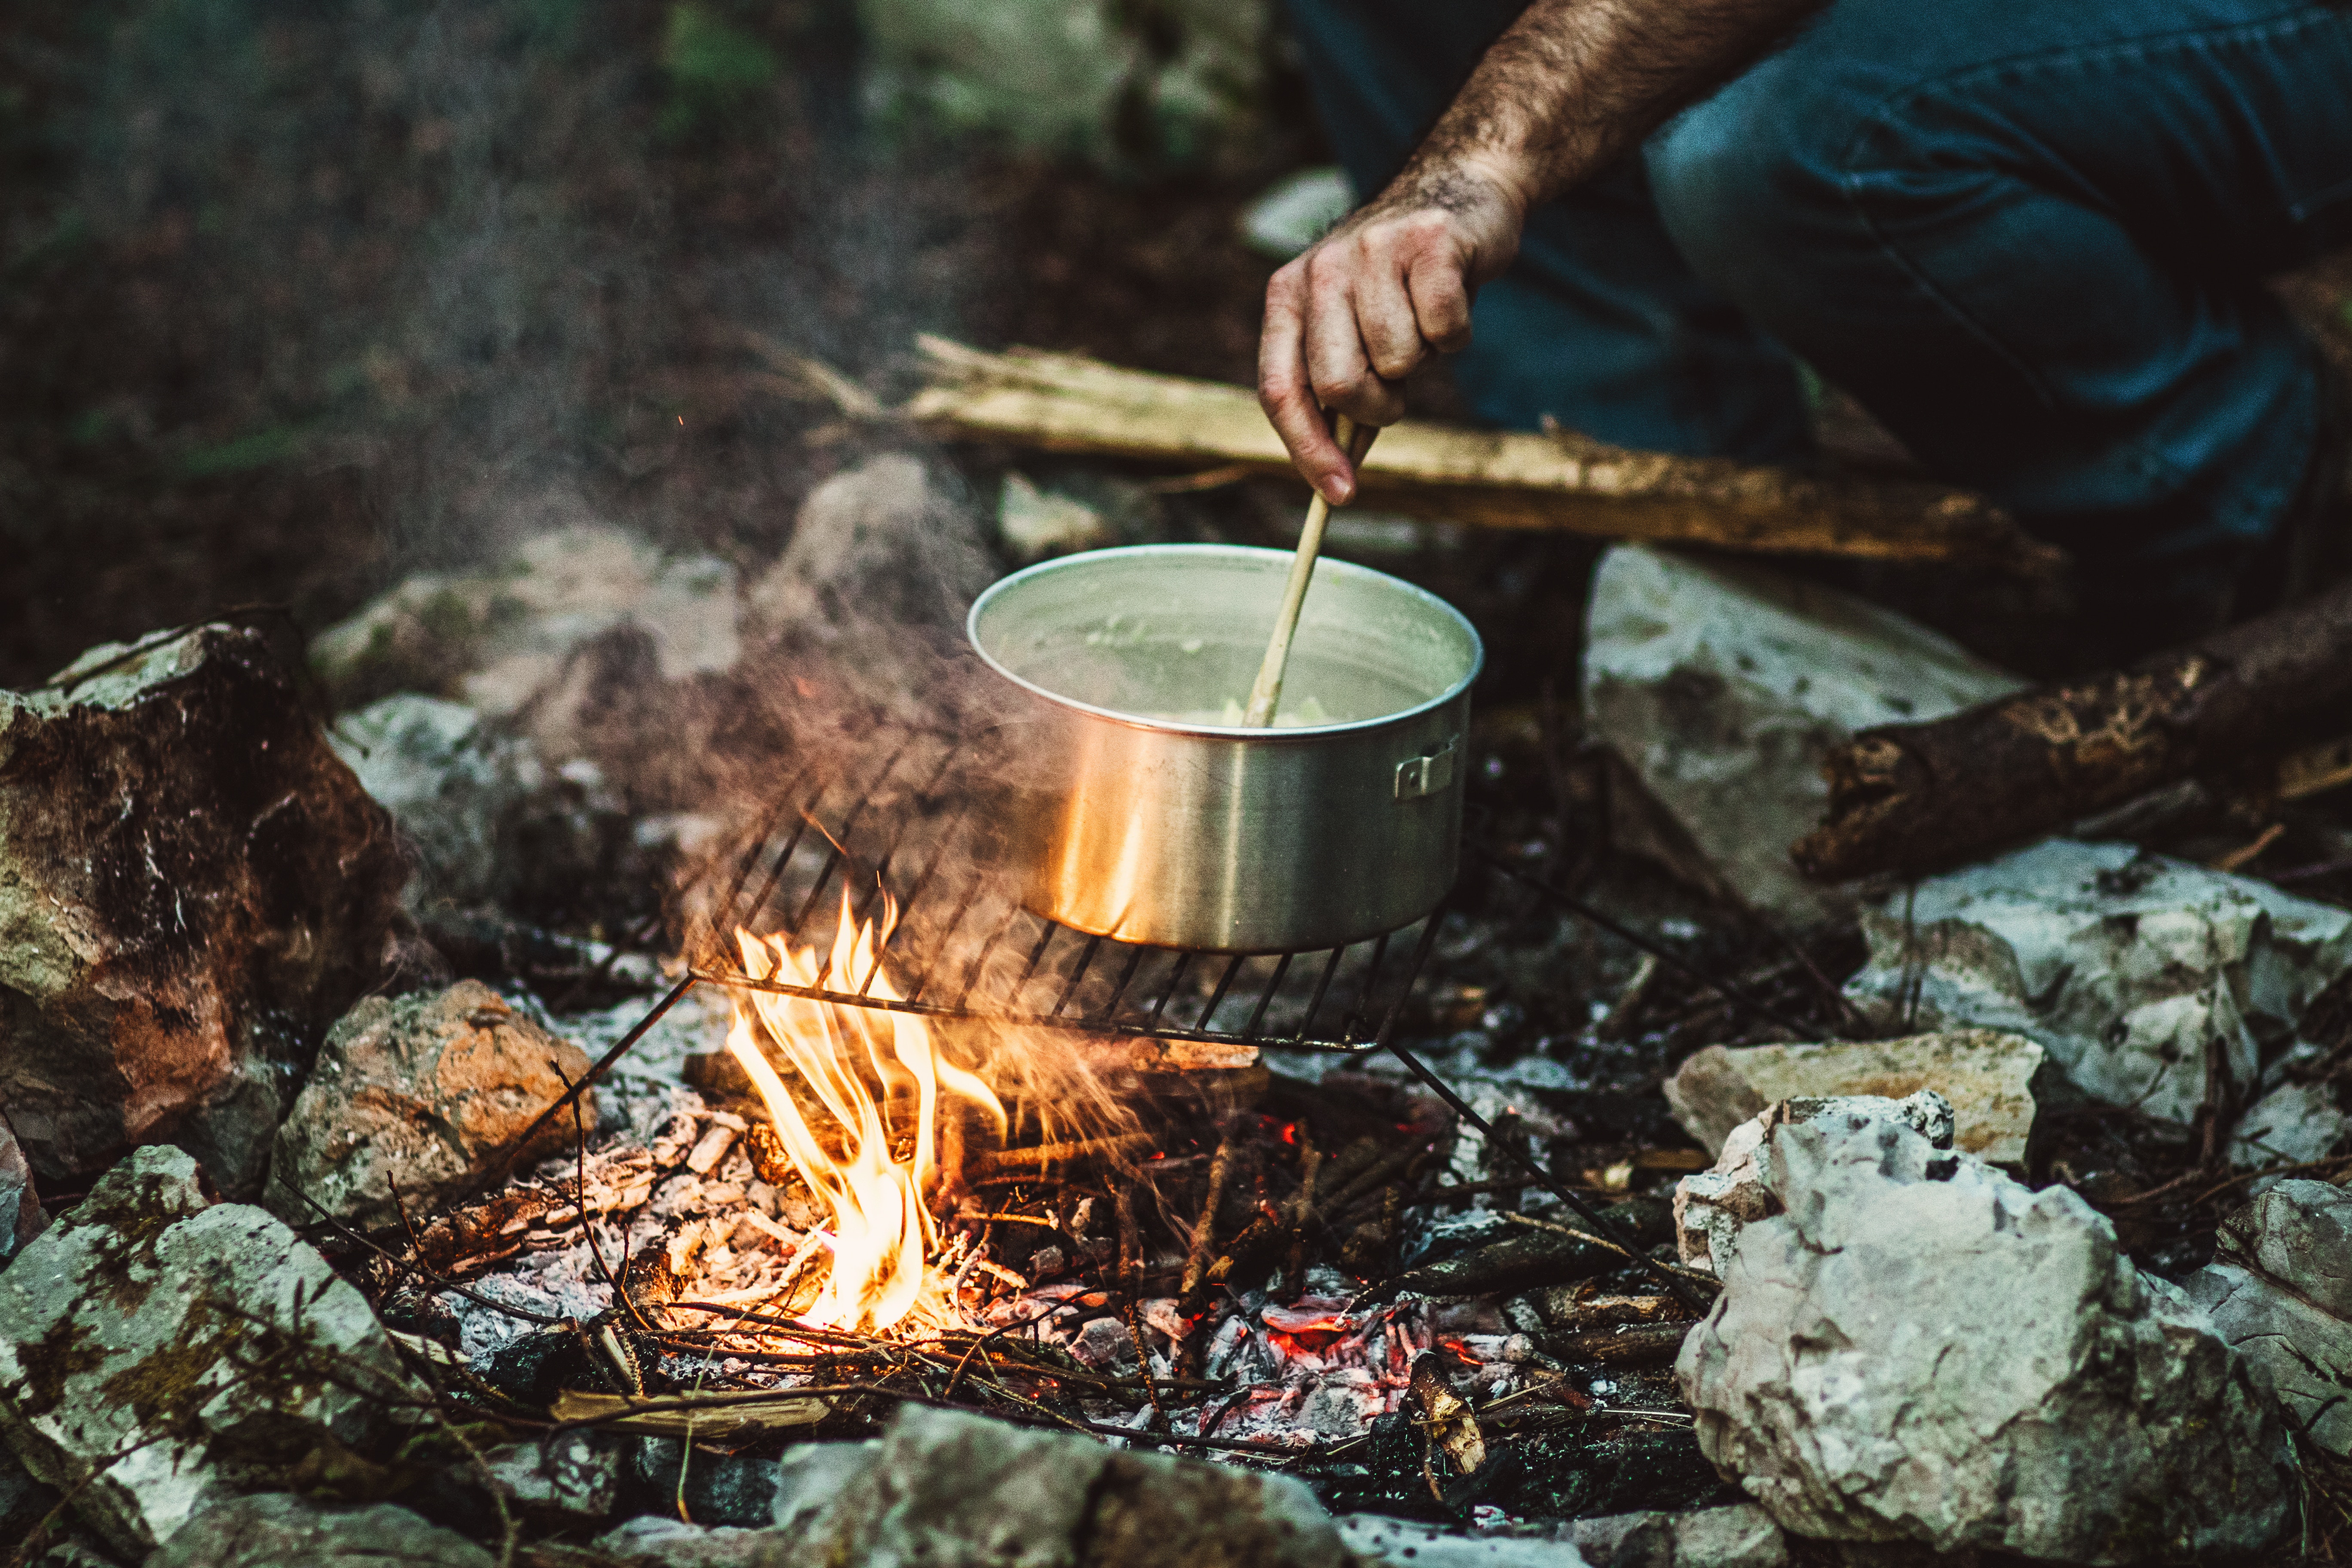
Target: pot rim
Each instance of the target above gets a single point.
(1281, 558)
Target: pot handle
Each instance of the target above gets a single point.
(1428, 772)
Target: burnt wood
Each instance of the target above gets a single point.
(1914, 797)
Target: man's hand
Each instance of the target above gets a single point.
(1348, 319)
(1568, 87)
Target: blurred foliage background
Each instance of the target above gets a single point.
(296, 298)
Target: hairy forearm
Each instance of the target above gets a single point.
(1573, 84)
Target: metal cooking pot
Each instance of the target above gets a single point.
(1137, 807)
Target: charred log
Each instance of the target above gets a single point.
(1910, 797)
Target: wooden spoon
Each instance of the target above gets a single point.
(1267, 693)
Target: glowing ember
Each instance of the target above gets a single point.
(872, 1168)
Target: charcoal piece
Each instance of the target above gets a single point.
(1563, 1474)
(1384, 1475)
(720, 1488)
(537, 1367)
(1533, 1259)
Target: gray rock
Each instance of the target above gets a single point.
(1380, 1542)
(1917, 1347)
(2280, 1290)
(1034, 524)
(813, 1473)
(2293, 1124)
(1300, 210)
(585, 641)
(191, 889)
(421, 1091)
(159, 1351)
(952, 1489)
(568, 1476)
(1711, 1207)
(499, 639)
(1985, 1075)
(21, 1218)
(1724, 686)
(654, 1543)
(276, 1530)
(1739, 1536)
(2129, 969)
(866, 603)
(485, 820)
(1075, 77)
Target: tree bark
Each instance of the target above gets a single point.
(1912, 797)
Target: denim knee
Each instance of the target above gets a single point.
(1746, 184)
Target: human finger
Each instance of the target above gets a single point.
(1287, 394)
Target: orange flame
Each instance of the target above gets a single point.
(871, 1173)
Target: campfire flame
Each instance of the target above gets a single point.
(873, 1170)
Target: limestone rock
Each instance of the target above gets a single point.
(192, 888)
(1740, 1537)
(1380, 1542)
(567, 1476)
(813, 1473)
(656, 1542)
(486, 821)
(2280, 1289)
(1917, 1347)
(2128, 968)
(1985, 1075)
(499, 639)
(160, 1351)
(1722, 686)
(2293, 1124)
(423, 1092)
(948, 1487)
(1712, 1208)
(587, 641)
(21, 1218)
(866, 603)
(1034, 524)
(276, 1530)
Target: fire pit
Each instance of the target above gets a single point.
(955, 1151)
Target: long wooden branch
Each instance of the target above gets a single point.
(1491, 478)
(1909, 797)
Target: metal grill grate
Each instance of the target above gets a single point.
(896, 816)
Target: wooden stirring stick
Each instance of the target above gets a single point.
(1267, 693)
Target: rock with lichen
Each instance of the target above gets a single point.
(412, 1098)
(192, 889)
(276, 1530)
(1911, 1346)
(160, 1351)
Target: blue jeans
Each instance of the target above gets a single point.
(2027, 236)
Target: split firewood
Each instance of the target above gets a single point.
(709, 1418)
(1490, 479)
(1448, 1426)
(1914, 797)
